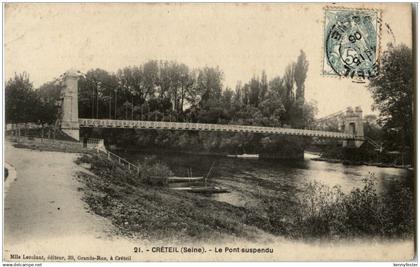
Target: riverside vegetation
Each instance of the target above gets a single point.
(143, 210)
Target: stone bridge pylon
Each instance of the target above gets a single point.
(349, 121)
(69, 116)
(353, 124)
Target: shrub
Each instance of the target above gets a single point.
(398, 211)
(154, 173)
(328, 212)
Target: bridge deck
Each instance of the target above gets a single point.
(97, 123)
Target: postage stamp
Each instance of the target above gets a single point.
(351, 44)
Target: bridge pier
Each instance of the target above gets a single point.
(70, 108)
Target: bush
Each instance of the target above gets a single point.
(398, 211)
(153, 172)
(328, 212)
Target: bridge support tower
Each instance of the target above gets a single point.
(69, 105)
(353, 124)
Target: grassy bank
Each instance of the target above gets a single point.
(156, 212)
(48, 145)
(141, 210)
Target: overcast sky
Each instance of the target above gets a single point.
(45, 40)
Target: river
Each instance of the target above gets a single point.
(248, 179)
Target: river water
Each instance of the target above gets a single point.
(248, 179)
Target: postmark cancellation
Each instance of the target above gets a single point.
(351, 43)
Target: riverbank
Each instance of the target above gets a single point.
(359, 163)
(157, 212)
(148, 212)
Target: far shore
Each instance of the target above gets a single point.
(377, 164)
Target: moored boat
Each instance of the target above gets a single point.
(175, 179)
(245, 156)
(202, 189)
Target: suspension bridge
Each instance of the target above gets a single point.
(351, 121)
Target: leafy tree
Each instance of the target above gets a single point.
(301, 69)
(309, 111)
(49, 95)
(21, 100)
(151, 77)
(263, 86)
(372, 129)
(96, 90)
(254, 92)
(392, 91)
(209, 86)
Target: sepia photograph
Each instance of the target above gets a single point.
(209, 132)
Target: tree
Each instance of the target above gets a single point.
(309, 111)
(298, 107)
(49, 95)
(254, 92)
(21, 100)
(209, 86)
(372, 129)
(151, 77)
(301, 69)
(392, 91)
(96, 90)
(264, 86)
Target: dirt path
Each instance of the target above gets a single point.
(43, 209)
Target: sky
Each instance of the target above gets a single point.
(45, 40)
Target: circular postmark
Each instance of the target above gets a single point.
(351, 44)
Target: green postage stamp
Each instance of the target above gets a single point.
(351, 43)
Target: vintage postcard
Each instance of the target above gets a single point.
(209, 132)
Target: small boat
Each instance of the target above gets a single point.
(174, 179)
(202, 189)
(245, 156)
